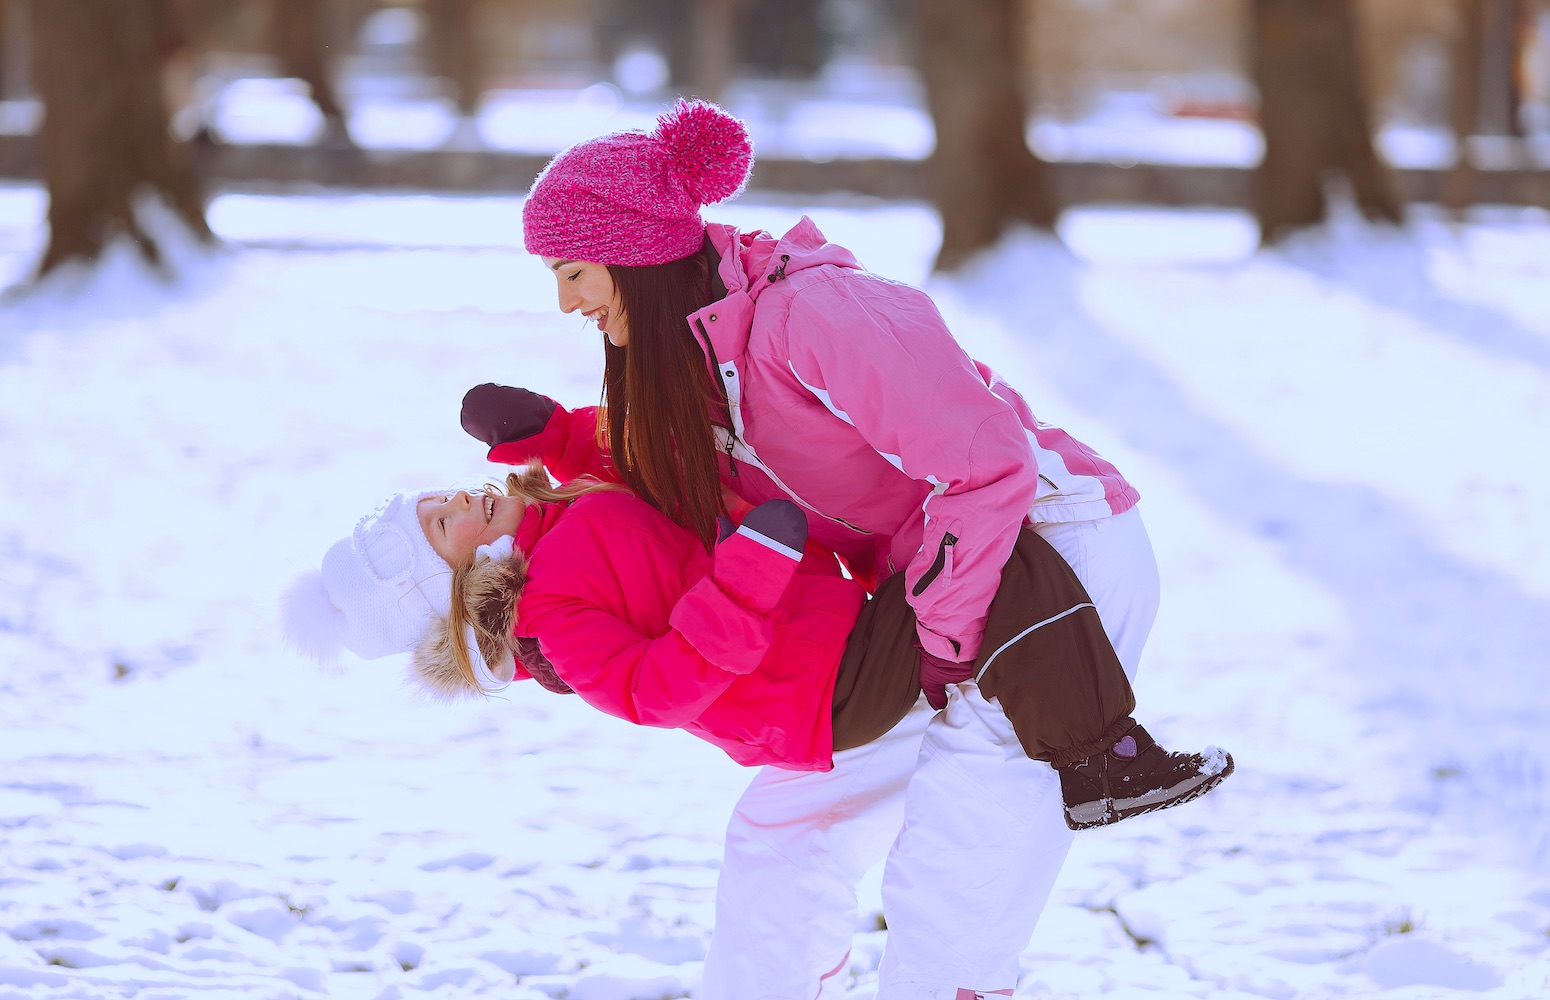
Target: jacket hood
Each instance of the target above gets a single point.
(750, 261)
(753, 262)
(490, 600)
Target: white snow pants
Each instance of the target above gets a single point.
(976, 829)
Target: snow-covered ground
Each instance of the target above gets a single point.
(1344, 453)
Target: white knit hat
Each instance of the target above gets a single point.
(377, 592)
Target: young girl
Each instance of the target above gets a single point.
(755, 646)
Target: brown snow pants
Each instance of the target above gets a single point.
(1045, 658)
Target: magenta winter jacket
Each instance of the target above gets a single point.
(848, 394)
(627, 607)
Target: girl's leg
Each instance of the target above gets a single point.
(1113, 559)
(797, 844)
(983, 836)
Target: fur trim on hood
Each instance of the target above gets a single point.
(490, 599)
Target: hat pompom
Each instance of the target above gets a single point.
(310, 622)
(709, 150)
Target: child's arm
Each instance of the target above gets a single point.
(663, 681)
(519, 425)
(717, 629)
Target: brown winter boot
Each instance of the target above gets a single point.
(1136, 776)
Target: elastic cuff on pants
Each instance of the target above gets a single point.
(1111, 735)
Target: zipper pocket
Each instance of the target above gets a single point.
(948, 541)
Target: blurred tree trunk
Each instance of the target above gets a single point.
(714, 52)
(1500, 38)
(982, 176)
(781, 38)
(206, 26)
(104, 141)
(1484, 94)
(454, 49)
(1464, 103)
(665, 26)
(6, 32)
(1315, 116)
(302, 40)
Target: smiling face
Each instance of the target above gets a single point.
(589, 289)
(456, 523)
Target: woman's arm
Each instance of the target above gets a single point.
(901, 379)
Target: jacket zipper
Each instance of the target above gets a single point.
(731, 442)
(796, 498)
(721, 383)
(948, 539)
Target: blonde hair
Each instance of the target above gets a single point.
(484, 595)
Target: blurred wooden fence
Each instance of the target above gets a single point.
(246, 166)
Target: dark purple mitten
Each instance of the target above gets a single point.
(496, 414)
(936, 673)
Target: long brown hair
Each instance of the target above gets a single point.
(657, 394)
(484, 596)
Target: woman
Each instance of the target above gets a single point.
(777, 367)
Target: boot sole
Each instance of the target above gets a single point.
(1107, 812)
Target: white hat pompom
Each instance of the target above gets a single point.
(312, 625)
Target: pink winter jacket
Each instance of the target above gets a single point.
(629, 609)
(848, 394)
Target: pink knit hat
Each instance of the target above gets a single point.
(634, 197)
